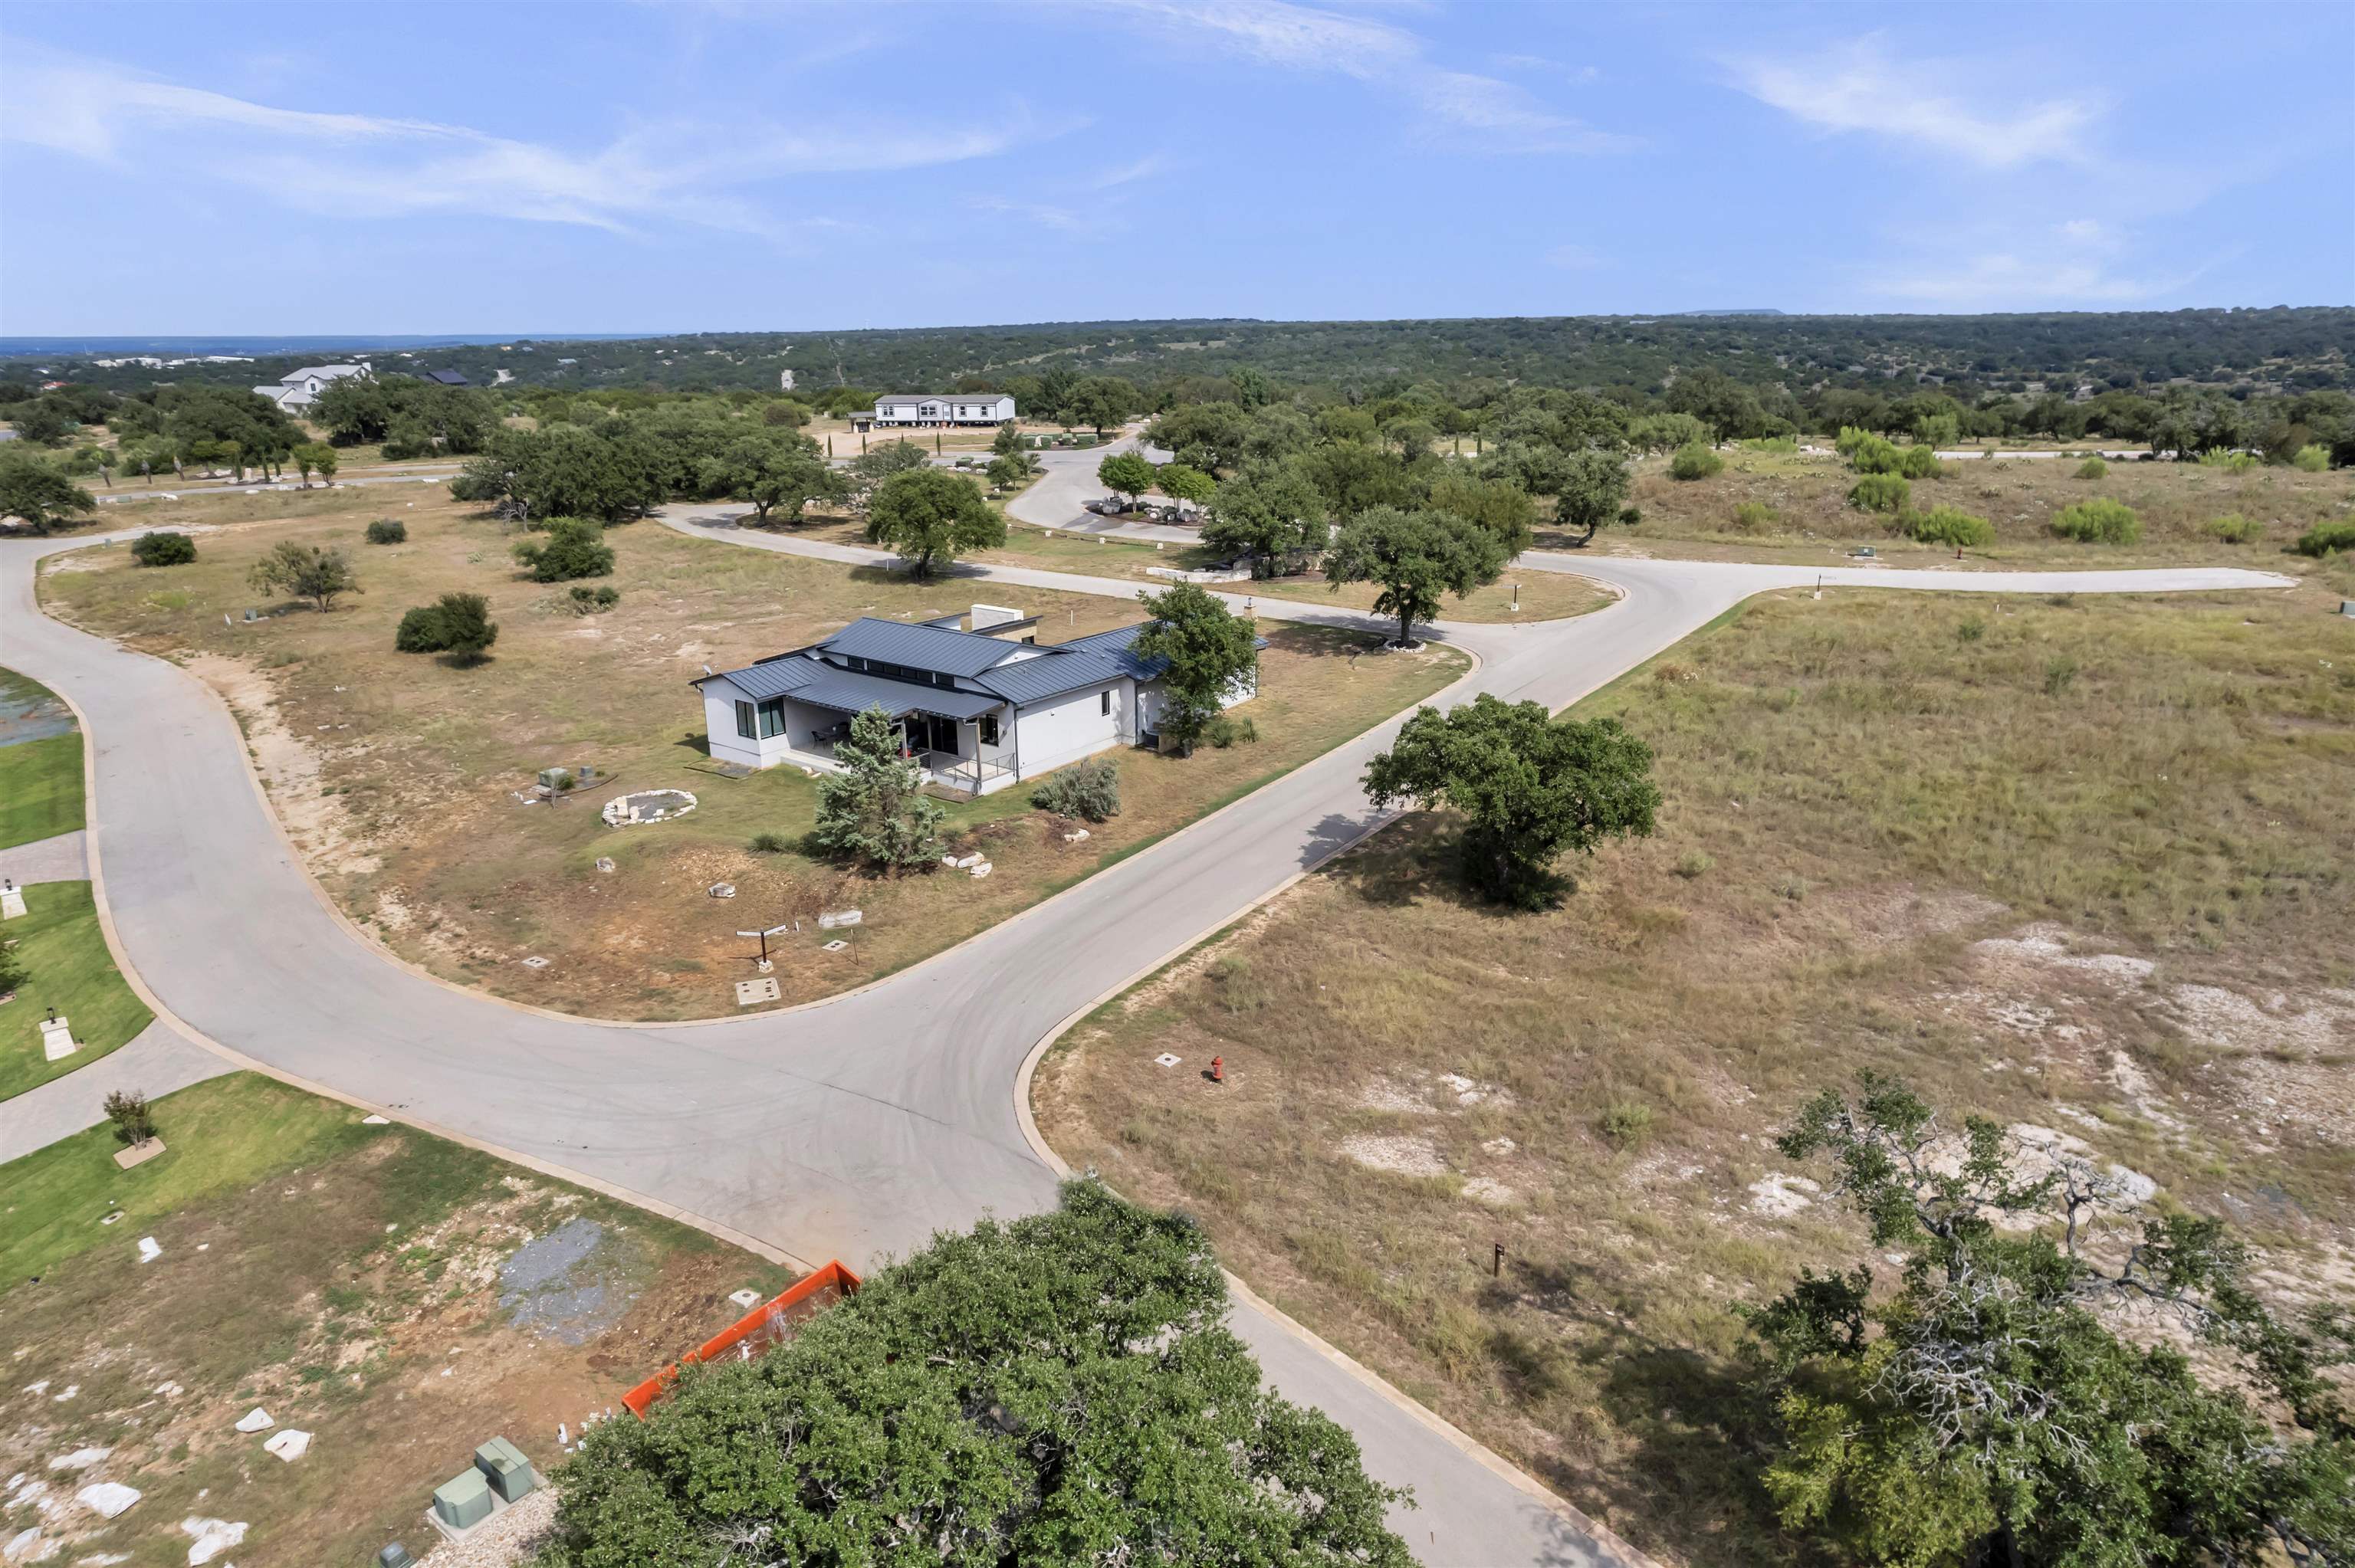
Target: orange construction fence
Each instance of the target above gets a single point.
(755, 1331)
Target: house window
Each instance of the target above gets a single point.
(744, 720)
(989, 729)
(1107, 704)
(772, 717)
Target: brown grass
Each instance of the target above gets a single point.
(1858, 790)
(396, 772)
(2019, 496)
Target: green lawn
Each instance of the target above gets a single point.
(250, 1126)
(68, 967)
(40, 780)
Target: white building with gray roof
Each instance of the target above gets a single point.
(927, 409)
(977, 702)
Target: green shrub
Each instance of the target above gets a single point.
(1695, 461)
(1624, 1124)
(457, 623)
(2092, 468)
(1919, 463)
(164, 550)
(769, 844)
(133, 1120)
(2098, 521)
(2328, 538)
(2060, 674)
(1089, 789)
(1867, 453)
(386, 531)
(1693, 864)
(575, 548)
(2234, 529)
(587, 600)
(1786, 445)
(2310, 460)
(1755, 517)
(1223, 730)
(1970, 629)
(2232, 461)
(1885, 493)
(1630, 517)
(1949, 525)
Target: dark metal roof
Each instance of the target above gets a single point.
(1113, 646)
(1055, 671)
(1116, 645)
(847, 693)
(936, 648)
(773, 677)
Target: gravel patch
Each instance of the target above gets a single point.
(545, 1285)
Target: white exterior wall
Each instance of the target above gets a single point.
(1054, 734)
(720, 700)
(1151, 696)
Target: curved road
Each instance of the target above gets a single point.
(853, 1127)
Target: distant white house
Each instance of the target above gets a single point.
(298, 389)
(943, 408)
(978, 709)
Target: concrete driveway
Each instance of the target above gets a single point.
(853, 1127)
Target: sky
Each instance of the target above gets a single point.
(393, 168)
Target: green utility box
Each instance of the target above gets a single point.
(463, 1500)
(502, 1464)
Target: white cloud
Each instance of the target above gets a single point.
(1062, 219)
(1864, 88)
(1128, 174)
(2009, 279)
(1497, 115)
(359, 166)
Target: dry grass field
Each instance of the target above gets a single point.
(2083, 864)
(1812, 521)
(397, 773)
(1540, 596)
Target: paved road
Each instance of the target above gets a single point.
(853, 1127)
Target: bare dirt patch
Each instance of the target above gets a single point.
(395, 1298)
(408, 784)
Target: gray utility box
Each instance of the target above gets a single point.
(502, 1464)
(463, 1500)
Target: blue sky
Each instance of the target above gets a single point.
(544, 168)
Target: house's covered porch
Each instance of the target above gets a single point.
(961, 740)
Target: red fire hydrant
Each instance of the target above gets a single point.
(1218, 1069)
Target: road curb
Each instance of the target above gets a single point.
(718, 1229)
(1462, 1441)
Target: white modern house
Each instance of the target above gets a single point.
(943, 408)
(298, 389)
(978, 709)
